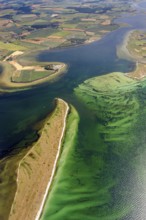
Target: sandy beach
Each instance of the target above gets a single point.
(37, 168)
(122, 51)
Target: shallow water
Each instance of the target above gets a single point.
(95, 183)
(103, 177)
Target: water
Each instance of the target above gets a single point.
(84, 192)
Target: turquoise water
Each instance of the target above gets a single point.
(103, 178)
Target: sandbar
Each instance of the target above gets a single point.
(37, 168)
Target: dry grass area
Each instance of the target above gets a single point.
(73, 29)
(35, 169)
(139, 73)
(106, 22)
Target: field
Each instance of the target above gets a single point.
(15, 76)
(31, 27)
(136, 45)
(11, 46)
(30, 76)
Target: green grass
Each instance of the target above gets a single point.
(62, 33)
(31, 76)
(69, 25)
(11, 46)
(43, 33)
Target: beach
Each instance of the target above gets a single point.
(37, 168)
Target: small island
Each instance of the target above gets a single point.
(17, 76)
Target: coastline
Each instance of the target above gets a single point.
(122, 50)
(8, 86)
(30, 183)
(55, 164)
(139, 73)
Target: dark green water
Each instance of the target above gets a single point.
(101, 180)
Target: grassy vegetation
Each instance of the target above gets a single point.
(11, 46)
(30, 76)
(137, 44)
(25, 22)
(8, 168)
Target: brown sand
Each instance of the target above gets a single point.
(35, 169)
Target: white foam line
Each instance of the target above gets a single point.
(55, 164)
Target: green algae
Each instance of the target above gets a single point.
(118, 106)
(103, 175)
(66, 157)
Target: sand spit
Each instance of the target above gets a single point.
(37, 168)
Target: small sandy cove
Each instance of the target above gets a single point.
(37, 168)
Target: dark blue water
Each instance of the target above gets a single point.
(19, 111)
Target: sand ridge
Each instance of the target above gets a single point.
(37, 168)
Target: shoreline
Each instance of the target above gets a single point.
(8, 86)
(139, 73)
(12, 68)
(55, 165)
(122, 50)
(26, 181)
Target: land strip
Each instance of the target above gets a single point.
(16, 75)
(134, 49)
(37, 168)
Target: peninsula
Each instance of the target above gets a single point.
(17, 76)
(36, 169)
(134, 48)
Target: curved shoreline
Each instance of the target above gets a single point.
(12, 69)
(122, 50)
(55, 164)
(139, 73)
(26, 182)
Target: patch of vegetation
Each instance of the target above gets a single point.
(137, 44)
(31, 76)
(11, 46)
